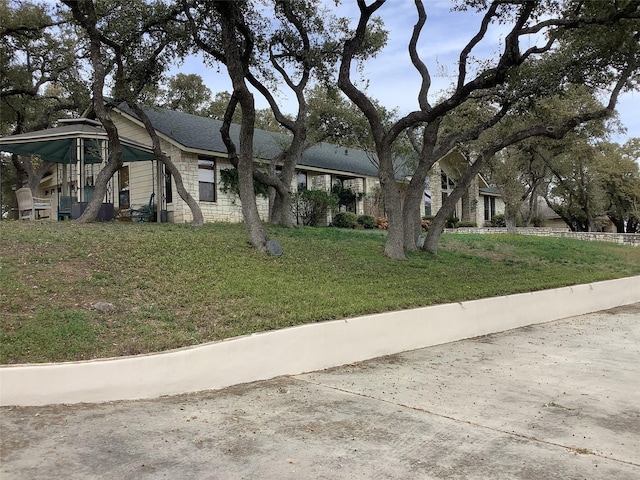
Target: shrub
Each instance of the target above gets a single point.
(382, 223)
(452, 222)
(345, 220)
(467, 224)
(311, 206)
(367, 221)
(346, 196)
(498, 221)
(426, 223)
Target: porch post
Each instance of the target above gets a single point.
(160, 190)
(80, 160)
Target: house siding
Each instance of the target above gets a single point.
(226, 208)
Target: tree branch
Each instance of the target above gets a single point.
(464, 54)
(423, 100)
(351, 46)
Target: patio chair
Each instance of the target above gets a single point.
(142, 213)
(30, 207)
(64, 207)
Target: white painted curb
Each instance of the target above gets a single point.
(300, 349)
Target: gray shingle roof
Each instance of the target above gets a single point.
(203, 133)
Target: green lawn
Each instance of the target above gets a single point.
(175, 285)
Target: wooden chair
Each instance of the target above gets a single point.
(30, 207)
(142, 213)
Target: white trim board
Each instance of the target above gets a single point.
(300, 349)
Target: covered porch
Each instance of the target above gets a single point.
(79, 149)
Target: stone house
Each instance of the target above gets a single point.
(478, 205)
(195, 146)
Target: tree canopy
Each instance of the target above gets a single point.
(41, 81)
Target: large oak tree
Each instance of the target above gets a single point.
(40, 82)
(611, 60)
(132, 47)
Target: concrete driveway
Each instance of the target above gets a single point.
(558, 400)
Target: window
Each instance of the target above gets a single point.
(489, 208)
(446, 182)
(123, 188)
(427, 202)
(301, 181)
(207, 179)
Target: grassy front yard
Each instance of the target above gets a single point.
(174, 285)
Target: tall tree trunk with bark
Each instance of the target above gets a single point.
(115, 160)
(27, 174)
(414, 198)
(394, 246)
(280, 53)
(196, 212)
(85, 14)
(448, 206)
(237, 65)
(280, 212)
(511, 210)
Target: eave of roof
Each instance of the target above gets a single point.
(490, 191)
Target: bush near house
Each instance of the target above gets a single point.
(452, 222)
(310, 207)
(426, 223)
(367, 221)
(345, 220)
(498, 221)
(467, 224)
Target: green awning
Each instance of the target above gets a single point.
(59, 144)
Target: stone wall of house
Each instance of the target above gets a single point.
(470, 203)
(436, 188)
(465, 209)
(226, 208)
(621, 238)
(318, 181)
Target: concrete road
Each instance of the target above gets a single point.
(554, 401)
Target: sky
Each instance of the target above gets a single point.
(393, 80)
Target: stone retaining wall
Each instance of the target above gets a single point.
(632, 239)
